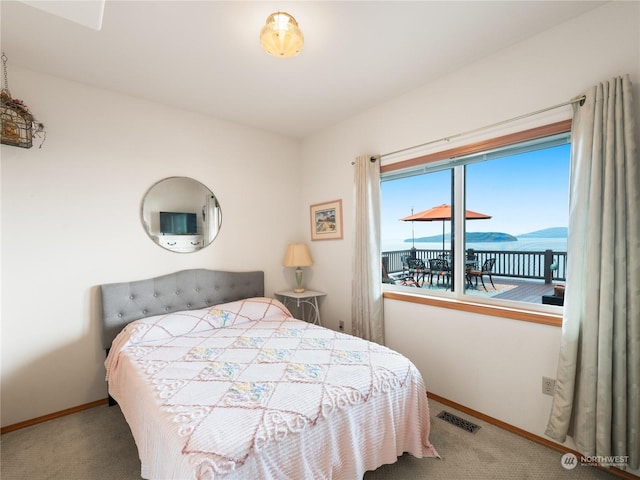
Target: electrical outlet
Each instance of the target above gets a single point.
(341, 326)
(548, 385)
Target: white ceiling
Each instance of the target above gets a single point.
(205, 56)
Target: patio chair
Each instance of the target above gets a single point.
(470, 263)
(486, 269)
(385, 276)
(403, 279)
(439, 268)
(414, 270)
(471, 260)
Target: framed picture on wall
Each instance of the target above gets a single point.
(326, 220)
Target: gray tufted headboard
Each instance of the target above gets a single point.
(125, 302)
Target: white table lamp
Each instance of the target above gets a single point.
(297, 256)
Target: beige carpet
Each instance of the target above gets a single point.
(96, 445)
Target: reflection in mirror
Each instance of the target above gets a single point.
(181, 214)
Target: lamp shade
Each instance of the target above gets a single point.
(281, 36)
(297, 256)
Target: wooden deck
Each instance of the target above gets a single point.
(530, 291)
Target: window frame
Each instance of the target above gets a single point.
(545, 314)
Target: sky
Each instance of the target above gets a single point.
(522, 193)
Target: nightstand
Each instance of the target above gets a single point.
(308, 298)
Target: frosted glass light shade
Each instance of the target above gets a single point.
(281, 36)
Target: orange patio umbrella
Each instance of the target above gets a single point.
(442, 212)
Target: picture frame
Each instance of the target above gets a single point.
(326, 220)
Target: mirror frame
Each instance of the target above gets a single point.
(181, 195)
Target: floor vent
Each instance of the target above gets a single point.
(458, 422)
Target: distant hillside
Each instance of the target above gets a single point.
(555, 232)
(475, 237)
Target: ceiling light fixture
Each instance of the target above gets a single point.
(281, 36)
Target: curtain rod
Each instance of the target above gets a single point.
(580, 99)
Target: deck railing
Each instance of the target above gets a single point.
(545, 265)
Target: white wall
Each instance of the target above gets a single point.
(488, 364)
(71, 221)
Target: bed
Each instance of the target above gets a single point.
(217, 381)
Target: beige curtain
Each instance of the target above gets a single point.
(366, 306)
(597, 397)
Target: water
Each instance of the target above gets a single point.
(523, 244)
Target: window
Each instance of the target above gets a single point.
(486, 223)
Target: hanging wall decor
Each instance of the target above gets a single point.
(18, 124)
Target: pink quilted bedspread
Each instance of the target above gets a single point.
(243, 390)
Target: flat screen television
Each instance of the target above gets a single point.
(178, 223)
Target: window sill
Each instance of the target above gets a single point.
(524, 315)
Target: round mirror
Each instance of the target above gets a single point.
(181, 214)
